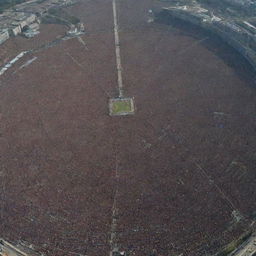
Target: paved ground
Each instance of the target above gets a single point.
(182, 164)
(247, 249)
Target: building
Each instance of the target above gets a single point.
(20, 22)
(15, 29)
(4, 35)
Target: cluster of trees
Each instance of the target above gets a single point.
(4, 4)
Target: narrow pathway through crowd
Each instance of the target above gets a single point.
(113, 232)
(118, 55)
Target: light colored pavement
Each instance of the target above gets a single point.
(118, 55)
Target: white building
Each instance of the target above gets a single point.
(4, 35)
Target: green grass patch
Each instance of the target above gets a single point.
(121, 106)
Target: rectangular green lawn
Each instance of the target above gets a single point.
(121, 106)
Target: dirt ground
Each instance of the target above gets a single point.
(185, 160)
